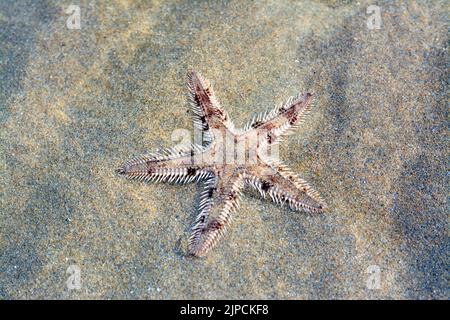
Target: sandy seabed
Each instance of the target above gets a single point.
(75, 103)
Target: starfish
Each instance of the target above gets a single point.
(212, 162)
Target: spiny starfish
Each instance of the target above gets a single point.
(224, 180)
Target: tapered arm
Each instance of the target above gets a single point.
(206, 109)
(217, 202)
(283, 119)
(176, 165)
(276, 181)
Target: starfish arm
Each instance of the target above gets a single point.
(175, 165)
(206, 109)
(275, 180)
(218, 201)
(282, 120)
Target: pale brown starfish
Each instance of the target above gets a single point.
(224, 179)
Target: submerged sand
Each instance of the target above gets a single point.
(76, 103)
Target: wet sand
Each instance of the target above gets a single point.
(76, 103)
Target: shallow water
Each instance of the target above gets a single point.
(75, 103)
